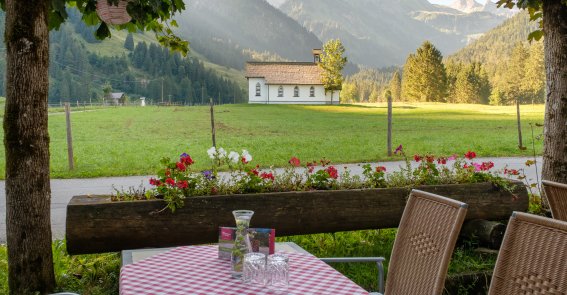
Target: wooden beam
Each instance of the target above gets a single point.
(95, 224)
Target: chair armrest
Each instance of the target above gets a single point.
(377, 260)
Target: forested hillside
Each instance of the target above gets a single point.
(499, 68)
(81, 66)
(513, 66)
(495, 45)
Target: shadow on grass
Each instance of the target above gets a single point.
(376, 107)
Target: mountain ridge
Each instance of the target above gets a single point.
(380, 33)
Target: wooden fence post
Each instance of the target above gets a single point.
(69, 136)
(389, 97)
(213, 123)
(520, 144)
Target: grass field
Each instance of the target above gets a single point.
(132, 140)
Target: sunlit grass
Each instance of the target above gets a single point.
(132, 140)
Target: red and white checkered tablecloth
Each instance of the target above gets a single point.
(197, 270)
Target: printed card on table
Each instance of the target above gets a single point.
(262, 240)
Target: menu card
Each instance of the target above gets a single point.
(262, 240)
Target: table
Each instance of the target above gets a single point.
(196, 270)
(132, 256)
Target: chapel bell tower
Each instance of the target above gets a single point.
(317, 55)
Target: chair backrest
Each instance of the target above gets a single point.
(556, 194)
(424, 244)
(532, 258)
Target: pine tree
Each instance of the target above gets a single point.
(424, 75)
(396, 86)
(514, 86)
(129, 42)
(139, 55)
(535, 74)
(471, 85)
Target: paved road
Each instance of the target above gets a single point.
(62, 190)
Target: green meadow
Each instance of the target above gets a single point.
(131, 140)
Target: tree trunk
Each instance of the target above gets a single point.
(26, 141)
(555, 130)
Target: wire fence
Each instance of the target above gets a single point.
(89, 105)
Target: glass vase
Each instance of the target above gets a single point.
(242, 243)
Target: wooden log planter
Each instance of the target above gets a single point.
(96, 224)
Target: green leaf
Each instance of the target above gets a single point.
(55, 20)
(535, 15)
(102, 32)
(91, 19)
(535, 35)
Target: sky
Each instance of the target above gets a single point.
(446, 2)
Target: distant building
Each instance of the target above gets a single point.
(288, 83)
(118, 98)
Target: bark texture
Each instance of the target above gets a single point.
(26, 141)
(555, 130)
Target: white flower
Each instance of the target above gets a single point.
(222, 153)
(234, 156)
(247, 157)
(212, 152)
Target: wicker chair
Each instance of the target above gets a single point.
(533, 257)
(423, 247)
(556, 194)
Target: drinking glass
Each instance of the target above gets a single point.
(254, 270)
(278, 271)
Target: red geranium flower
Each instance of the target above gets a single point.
(441, 160)
(294, 162)
(430, 158)
(187, 160)
(333, 173)
(180, 166)
(269, 176)
(470, 155)
(486, 166)
(380, 169)
(182, 184)
(170, 181)
(167, 172)
(398, 149)
(254, 171)
(511, 172)
(155, 182)
(417, 158)
(243, 160)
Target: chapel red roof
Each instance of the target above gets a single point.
(296, 73)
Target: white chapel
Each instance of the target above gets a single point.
(288, 83)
